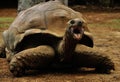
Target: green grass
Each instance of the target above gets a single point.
(4, 25)
(113, 23)
(6, 21)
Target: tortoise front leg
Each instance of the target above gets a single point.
(88, 57)
(34, 58)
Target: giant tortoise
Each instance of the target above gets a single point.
(51, 35)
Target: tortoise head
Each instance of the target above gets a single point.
(75, 28)
(79, 31)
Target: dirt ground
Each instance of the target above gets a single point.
(107, 39)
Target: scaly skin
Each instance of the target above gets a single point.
(66, 47)
(88, 57)
(34, 58)
(43, 57)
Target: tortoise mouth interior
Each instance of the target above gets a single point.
(77, 32)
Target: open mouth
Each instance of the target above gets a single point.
(77, 32)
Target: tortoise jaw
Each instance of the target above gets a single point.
(77, 32)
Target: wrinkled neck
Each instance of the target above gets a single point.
(69, 43)
(67, 47)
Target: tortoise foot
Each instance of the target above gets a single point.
(106, 71)
(16, 70)
(105, 67)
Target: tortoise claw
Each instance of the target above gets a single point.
(106, 71)
(16, 70)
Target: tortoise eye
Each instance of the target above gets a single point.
(80, 23)
(72, 22)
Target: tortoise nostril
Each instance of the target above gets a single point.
(72, 22)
